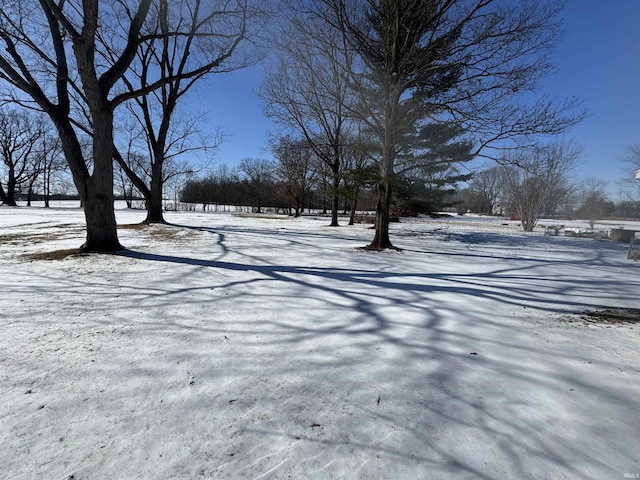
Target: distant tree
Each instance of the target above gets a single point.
(223, 187)
(196, 191)
(532, 175)
(52, 166)
(594, 204)
(259, 175)
(632, 158)
(557, 197)
(294, 168)
(627, 209)
(564, 200)
(629, 186)
(360, 170)
(423, 60)
(489, 187)
(19, 137)
(123, 183)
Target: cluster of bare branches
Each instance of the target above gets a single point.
(533, 175)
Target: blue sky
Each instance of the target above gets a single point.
(598, 61)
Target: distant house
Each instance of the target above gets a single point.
(638, 174)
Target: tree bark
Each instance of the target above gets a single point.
(154, 199)
(10, 194)
(381, 239)
(96, 191)
(354, 204)
(101, 222)
(335, 199)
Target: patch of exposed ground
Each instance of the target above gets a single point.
(612, 315)
(606, 316)
(159, 230)
(55, 255)
(156, 231)
(31, 238)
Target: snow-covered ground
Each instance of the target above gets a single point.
(225, 346)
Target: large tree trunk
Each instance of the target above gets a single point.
(154, 200)
(96, 190)
(10, 196)
(99, 214)
(381, 239)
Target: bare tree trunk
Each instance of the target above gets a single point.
(47, 187)
(154, 199)
(101, 223)
(335, 199)
(96, 190)
(381, 239)
(10, 194)
(354, 206)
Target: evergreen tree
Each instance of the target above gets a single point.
(429, 171)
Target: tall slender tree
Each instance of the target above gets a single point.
(307, 92)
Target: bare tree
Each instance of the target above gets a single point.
(308, 92)
(64, 65)
(629, 186)
(533, 174)
(489, 186)
(460, 60)
(19, 137)
(594, 203)
(259, 175)
(210, 40)
(51, 165)
(295, 159)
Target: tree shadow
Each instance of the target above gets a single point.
(371, 371)
(429, 354)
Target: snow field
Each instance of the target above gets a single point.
(225, 346)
